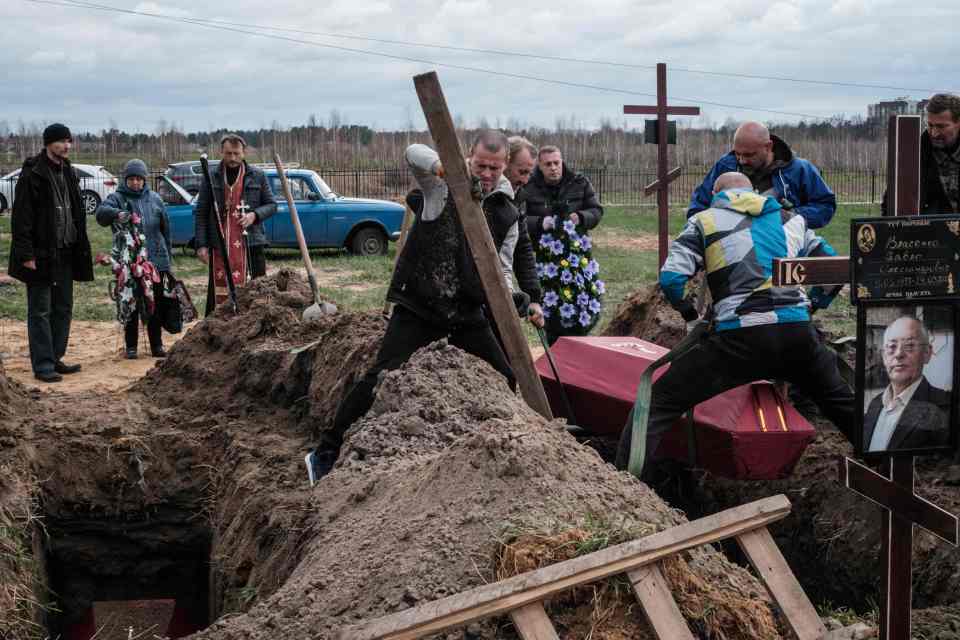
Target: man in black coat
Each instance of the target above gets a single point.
(49, 250)
(939, 157)
(555, 189)
(910, 413)
(258, 197)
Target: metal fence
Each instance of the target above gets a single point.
(618, 187)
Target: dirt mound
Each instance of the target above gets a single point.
(647, 315)
(12, 394)
(447, 462)
(832, 536)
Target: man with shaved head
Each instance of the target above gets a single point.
(910, 413)
(773, 170)
(758, 332)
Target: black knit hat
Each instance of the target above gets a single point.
(55, 133)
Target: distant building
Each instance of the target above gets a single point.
(904, 106)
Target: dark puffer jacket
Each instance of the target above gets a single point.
(257, 195)
(573, 194)
(34, 225)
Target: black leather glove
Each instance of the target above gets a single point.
(522, 302)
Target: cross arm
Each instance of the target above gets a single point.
(899, 500)
(635, 109)
(811, 271)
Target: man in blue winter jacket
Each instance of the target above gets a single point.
(773, 171)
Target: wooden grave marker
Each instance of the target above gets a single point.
(664, 175)
(477, 233)
(903, 510)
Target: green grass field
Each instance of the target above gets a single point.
(359, 283)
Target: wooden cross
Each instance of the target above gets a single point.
(903, 509)
(477, 233)
(895, 490)
(903, 199)
(664, 176)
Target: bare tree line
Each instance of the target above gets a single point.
(333, 144)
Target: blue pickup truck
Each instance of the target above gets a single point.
(359, 225)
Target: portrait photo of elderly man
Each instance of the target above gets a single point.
(910, 412)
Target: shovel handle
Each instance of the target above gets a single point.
(295, 219)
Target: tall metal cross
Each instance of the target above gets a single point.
(664, 175)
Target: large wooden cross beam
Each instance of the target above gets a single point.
(477, 233)
(664, 175)
(903, 199)
(903, 509)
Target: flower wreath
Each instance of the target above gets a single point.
(570, 278)
(134, 272)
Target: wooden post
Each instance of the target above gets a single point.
(664, 176)
(903, 166)
(474, 224)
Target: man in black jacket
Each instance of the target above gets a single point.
(49, 250)
(259, 201)
(554, 195)
(436, 288)
(555, 189)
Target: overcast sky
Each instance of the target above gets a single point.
(91, 68)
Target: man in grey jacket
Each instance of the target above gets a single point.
(436, 287)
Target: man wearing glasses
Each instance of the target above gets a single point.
(910, 413)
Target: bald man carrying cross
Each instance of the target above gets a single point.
(759, 332)
(773, 170)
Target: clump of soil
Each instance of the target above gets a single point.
(647, 315)
(12, 394)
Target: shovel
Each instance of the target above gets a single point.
(318, 309)
(572, 427)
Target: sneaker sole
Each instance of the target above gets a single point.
(309, 462)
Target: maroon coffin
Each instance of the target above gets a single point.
(749, 433)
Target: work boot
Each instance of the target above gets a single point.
(48, 376)
(158, 352)
(131, 353)
(66, 369)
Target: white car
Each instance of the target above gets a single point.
(96, 183)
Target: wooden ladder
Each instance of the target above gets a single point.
(522, 596)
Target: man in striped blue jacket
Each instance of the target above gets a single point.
(760, 331)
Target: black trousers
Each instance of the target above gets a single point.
(406, 333)
(131, 330)
(49, 314)
(728, 359)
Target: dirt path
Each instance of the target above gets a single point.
(98, 346)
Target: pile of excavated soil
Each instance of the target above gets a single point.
(447, 462)
(647, 315)
(12, 394)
